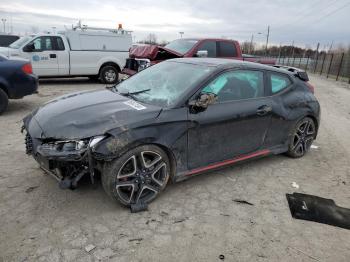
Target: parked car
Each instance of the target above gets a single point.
(6, 40)
(16, 80)
(97, 53)
(142, 56)
(172, 121)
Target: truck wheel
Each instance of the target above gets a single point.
(3, 101)
(109, 74)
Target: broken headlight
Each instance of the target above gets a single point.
(69, 145)
(94, 141)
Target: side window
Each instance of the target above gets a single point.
(48, 43)
(37, 44)
(227, 49)
(42, 43)
(279, 82)
(209, 46)
(59, 45)
(237, 85)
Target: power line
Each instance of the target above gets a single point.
(331, 13)
(306, 15)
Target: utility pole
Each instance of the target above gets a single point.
(267, 38)
(279, 52)
(4, 23)
(318, 46)
(251, 44)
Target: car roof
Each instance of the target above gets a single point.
(223, 63)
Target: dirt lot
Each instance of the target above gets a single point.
(196, 220)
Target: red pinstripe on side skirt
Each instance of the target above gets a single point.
(228, 162)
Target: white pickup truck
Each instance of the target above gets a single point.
(96, 53)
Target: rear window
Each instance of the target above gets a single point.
(227, 49)
(279, 82)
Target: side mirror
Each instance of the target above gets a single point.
(203, 101)
(202, 53)
(29, 48)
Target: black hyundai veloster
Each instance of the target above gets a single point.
(171, 121)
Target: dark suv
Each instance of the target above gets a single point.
(6, 40)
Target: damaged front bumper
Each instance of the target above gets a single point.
(67, 161)
(134, 65)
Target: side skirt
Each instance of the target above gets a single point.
(261, 153)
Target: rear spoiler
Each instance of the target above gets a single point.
(301, 74)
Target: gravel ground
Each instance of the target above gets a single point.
(195, 220)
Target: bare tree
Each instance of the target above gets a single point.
(150, 39)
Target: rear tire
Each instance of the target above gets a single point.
(109, 74)
(302, 137)
(137, 176)
(3, 101)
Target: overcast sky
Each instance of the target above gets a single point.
(304, 21)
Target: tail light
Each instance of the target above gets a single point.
(311, 87)
(27, 68)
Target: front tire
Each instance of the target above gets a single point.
(137, 176)
(109, 74)
(302, 138)
(3, 101)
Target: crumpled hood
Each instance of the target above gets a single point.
(150, 52)
(86, 114)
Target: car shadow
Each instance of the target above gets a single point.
(68, 81)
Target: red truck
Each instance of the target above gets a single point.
(141, 57)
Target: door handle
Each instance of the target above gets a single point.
(263, 110)
(53, 55)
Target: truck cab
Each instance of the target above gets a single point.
(142, 56)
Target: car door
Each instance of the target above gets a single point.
(236, 124)
(62, 53)
(41, 53)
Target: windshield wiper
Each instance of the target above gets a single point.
(134, 93)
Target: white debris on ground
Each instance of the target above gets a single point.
(295, 185)
(89, 248)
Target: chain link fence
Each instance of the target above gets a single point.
(331, 65)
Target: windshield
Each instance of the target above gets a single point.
(17, 44)
(181, 46)
(164, 83)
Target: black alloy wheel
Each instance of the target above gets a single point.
(137, 176)
(302, 138)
